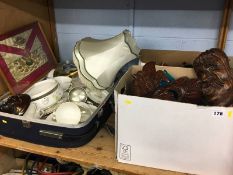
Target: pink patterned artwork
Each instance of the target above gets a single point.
(25, 57)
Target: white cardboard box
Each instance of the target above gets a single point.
(171, 135)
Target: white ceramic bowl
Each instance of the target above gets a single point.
(64, 82)
(45, 93)
(68, 113)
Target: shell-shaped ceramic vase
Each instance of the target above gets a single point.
(98, 61)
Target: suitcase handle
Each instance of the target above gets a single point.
(91, 132)
(61, 136)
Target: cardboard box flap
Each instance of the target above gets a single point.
(168, 57)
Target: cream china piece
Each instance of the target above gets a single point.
(98, 61)
(64, 82)
(68, 113)
(45, 93)
(97, 96)
(77, 94)
(86, 111)
(32, 111)
(51, 73)
(83, 77)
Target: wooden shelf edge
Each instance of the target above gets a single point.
(99, 152)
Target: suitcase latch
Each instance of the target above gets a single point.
(26, 124)
(100, 113)
(51, 134)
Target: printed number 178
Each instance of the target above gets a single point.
(217, 113)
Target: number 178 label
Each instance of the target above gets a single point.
(218, 113)
(222, 113)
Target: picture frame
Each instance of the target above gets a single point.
(25, 57)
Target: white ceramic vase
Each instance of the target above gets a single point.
(98, 61)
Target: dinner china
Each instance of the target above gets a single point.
(68, 113)
(86, 110)
(64, 82)
(45, 93)
(77, 94)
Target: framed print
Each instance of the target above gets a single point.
(25, 57)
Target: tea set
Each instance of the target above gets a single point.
(56, 99)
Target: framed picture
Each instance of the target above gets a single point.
(25, 57)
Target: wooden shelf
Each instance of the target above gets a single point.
(100, 152)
